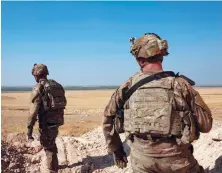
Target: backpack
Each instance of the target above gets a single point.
(54, 102)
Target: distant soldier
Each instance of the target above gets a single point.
(162, 117)
(48, 102)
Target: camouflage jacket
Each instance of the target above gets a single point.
(182, 89)
(36, 105)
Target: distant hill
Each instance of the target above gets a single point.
(19, 88)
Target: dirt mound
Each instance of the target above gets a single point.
(208, 149)
(12, 160)
(88, 153)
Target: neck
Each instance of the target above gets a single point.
(42, 79)
(153, 67)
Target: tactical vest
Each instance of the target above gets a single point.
(150, 109)
(54, 102)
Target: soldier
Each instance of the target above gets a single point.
(162, 117)
(47, 103)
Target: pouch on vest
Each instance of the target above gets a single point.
(189, 133)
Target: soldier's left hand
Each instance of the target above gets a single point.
(29, 134)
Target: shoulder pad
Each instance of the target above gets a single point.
(50, 80)
(36, 92)
(191, 82)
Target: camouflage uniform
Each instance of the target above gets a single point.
(156, 154)
(48, 131)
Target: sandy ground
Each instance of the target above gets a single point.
(84, 109)
(88, 152)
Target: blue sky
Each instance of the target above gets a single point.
(87, 43)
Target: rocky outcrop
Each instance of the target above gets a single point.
(88, 153)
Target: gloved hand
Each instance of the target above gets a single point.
(29, 134)
(120, 158)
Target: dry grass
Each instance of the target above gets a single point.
(84, 110)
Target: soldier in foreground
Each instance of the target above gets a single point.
(162, 117)
(47, 103)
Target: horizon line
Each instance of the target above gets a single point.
(93, 86)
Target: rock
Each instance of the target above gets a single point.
(4, 164)
(217, 134)
(36, 159)
(13, 165)
(6, 159)
(62, 156)
(17, 170)
(86, 168)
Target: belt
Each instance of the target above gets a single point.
(153, 137)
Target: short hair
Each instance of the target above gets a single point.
(152, 59)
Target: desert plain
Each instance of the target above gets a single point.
(84, 109)
(81, 144)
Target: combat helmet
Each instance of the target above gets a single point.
(39, 69)
(150, 44)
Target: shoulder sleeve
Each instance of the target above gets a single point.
(189, 98)
(35, 101)
(36, 93)
(117, 98)
(112, 139)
